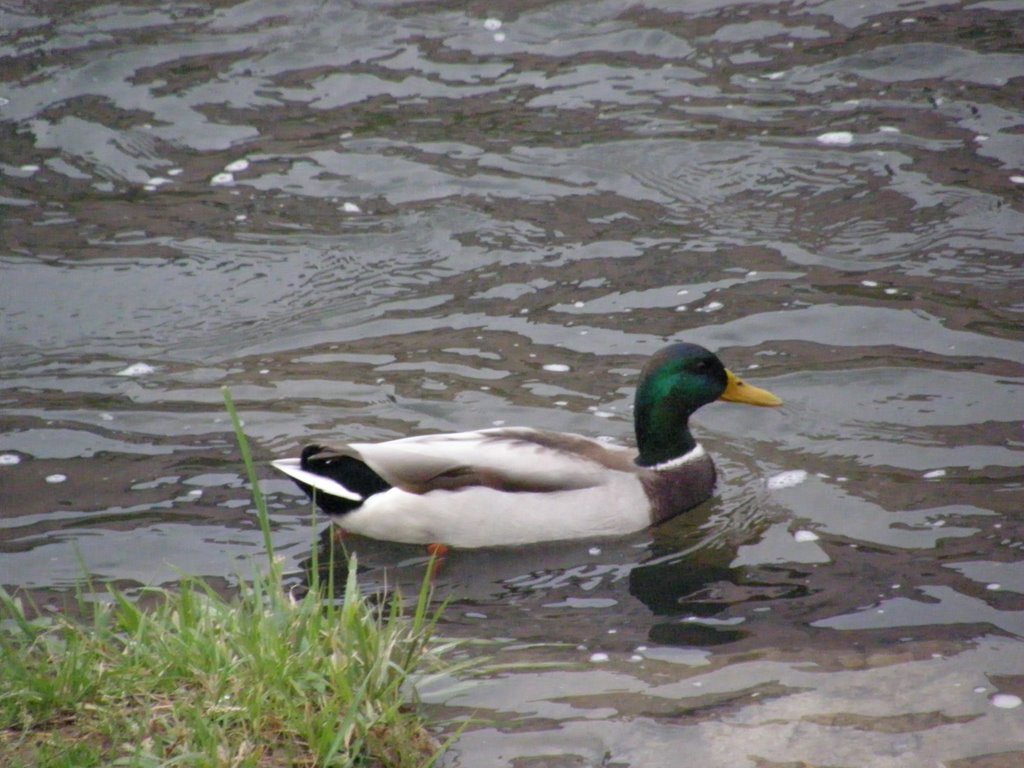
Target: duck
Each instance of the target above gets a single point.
(510, 486)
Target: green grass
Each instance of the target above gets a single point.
(197, 679)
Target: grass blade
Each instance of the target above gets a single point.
(250, 468)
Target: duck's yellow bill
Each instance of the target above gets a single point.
(738, 391)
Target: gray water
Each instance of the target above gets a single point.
(379, 219)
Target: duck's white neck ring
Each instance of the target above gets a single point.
(693, 454)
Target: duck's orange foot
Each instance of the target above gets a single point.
(437, 553)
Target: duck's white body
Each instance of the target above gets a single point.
(493, 487)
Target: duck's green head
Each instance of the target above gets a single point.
(674, 383)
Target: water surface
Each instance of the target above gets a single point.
(378, 219)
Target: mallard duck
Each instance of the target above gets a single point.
(518, 485)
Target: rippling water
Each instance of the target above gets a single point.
(379, 219)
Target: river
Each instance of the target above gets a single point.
(379, 219)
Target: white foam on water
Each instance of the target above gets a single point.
(1006, 701)
(137, 369)
(836, 138)
(786, 479)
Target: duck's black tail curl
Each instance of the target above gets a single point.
(345, 470)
